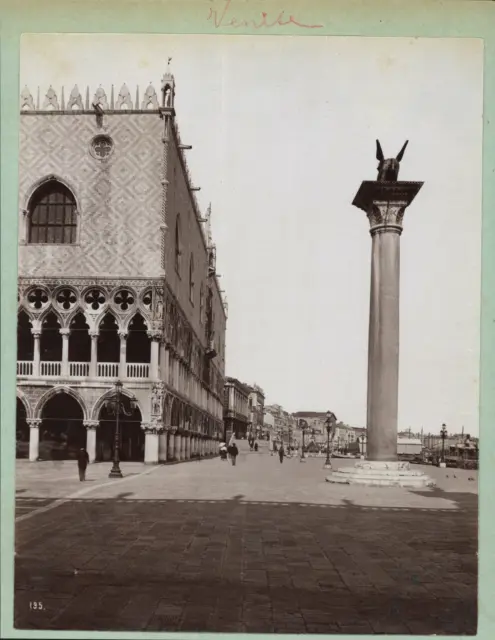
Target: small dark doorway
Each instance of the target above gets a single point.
(62, 433)
(138, 343)
(51, 340)
(131, 436)
(25, 340)
(108, 340)
(22, 431)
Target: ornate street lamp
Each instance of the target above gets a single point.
(443, 435)
(329, 425)
(115, 404)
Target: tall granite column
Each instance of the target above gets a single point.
(384, 204)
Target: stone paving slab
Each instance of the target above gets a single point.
(260, 547)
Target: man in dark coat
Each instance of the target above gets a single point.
(233, 451)
(82, 463)
(281, 454)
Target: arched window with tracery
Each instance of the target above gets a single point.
(52, 215)
(178, 244)
(191, 279)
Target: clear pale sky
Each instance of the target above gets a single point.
(283, 132)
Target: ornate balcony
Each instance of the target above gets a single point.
(79, 370)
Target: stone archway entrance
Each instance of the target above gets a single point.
(131, 437)
(22, 431)
(62, 432)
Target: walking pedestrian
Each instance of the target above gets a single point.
(233, 451)
(256, 446)
(82, 463)
(281, 454)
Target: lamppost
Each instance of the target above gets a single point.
(303, 426)
(329, 423)
(115, 405)
(443, 435)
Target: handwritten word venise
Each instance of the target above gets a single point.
(224, 18)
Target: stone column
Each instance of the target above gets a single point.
(36, 354)
(34, 439)
(162, 445)
(178, 445)
(65, 333)
(150, 443)
(123, 355)
(154, 336)
(385, 204)
(91, 426)
(93, 365)
(171, 445)
(183, 447)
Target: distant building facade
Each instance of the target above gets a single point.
(236, 409)
(256, 403)
(117, 280)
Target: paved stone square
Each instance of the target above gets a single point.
(259, 547)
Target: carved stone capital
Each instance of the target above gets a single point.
(36, 333)
(123, 334)
(386, 216)
(154, 334)
(33, 423)
(91, 424)
(93, 334)
(64, 332)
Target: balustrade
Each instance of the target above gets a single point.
(134, 370)
(107, 370)
(79, 369)
(138, 370)
(24, 367)
(50, 368)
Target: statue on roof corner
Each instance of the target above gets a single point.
(388, 169)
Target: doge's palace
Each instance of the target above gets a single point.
(117, 281)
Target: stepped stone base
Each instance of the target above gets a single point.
(381, 474)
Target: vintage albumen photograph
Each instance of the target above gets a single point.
(248, 334)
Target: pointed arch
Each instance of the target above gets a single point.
(51, 177)
(22, 397)
(51, 338)
(95, 411)
(108, 343)
(52, 213)
(128, 320)
(25, 339)
(70, 391)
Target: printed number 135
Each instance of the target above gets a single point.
(36, 606)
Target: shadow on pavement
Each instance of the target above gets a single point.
(234, 565)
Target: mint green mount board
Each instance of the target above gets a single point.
(469, 19)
